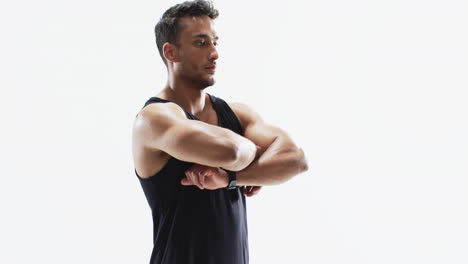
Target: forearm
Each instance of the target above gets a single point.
(208, 145)
(245, 155)
(274, 166)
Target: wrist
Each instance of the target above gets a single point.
(232, 179)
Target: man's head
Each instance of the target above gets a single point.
(186, 41)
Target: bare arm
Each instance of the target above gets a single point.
(279, 158)
(165, 127)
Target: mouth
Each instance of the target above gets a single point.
(211, 68)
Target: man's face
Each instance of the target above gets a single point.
(196, 53)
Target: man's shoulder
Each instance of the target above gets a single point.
(244, 113)
(159, 111)
(241, 108)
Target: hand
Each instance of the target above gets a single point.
(250, 191)
(205, 177)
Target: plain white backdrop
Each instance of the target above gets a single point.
(374, 91)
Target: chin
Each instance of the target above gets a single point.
(207, 83)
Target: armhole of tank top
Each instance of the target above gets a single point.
(170, 160)
(153, 100)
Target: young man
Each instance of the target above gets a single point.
(196, 156)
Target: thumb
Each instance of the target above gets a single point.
(185, 181)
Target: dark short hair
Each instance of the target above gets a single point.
(168, 28)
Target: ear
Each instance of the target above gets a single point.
(170, 52)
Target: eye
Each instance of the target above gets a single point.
(200, 43)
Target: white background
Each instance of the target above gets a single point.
(374, 91)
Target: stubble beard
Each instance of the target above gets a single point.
(199, 81)
(208, 83)
(203, 83)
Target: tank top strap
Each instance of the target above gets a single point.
(156, 100)
(153, 100)
(228, 118)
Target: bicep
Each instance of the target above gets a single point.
(198, 142)
(268, 136)
(262, 133)
(167, 129)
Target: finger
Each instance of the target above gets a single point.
(252, 190)
(185, 181)
(196, 179)
(247, 191)
(202, 180)
(204, 176)
(190, 177)
(256, 189)
(187, 176)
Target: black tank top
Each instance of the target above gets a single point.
(193, 226)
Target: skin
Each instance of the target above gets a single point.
(265, 155)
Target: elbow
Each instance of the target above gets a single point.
(240, 156)
(228, 156)
(303, 163)
(232, 156)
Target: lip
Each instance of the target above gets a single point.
(211, 68)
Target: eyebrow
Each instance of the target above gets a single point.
(201, 35)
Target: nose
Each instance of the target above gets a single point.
(213, 53)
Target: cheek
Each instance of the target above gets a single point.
(192, 61)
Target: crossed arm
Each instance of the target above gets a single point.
(278, 158)
(265, 155)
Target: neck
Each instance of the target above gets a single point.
(191, 98)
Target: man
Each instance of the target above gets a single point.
(196, 156)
